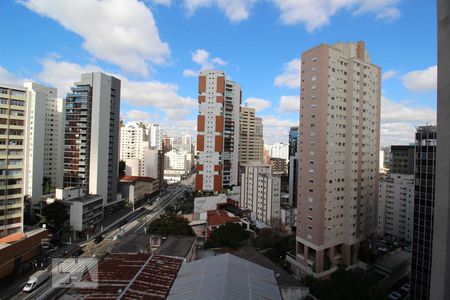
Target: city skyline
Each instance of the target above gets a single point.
(163, 65)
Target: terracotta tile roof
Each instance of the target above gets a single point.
(12, 237)
(220, 217)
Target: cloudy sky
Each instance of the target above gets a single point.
(157, 47)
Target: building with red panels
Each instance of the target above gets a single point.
(218, 132)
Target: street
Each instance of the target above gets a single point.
(134, 224)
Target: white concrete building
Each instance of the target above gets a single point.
(45, 140)
(177, 165)
(85, 210)
(395, 206)
(218, 132)
(91, 147)
(140, 158)
(279, 150)
(155, 134)
(261, 193)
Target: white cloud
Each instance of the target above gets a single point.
(235, 10)
(190, 73)
(9, 78)
(150, 94)
(399, 121)
(205, 61)
(389, 13)
(276, 130)
(317, 13)
(422, 80)
(137, 115)
(203, 58)
(122, 32)
(289, 104)
(162, 2)
(389, 74)
(257, 103)
(291, 74)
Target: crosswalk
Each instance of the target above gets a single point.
(63, 251)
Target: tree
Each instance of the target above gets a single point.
(228, 235)
(122, 167)
(46, 185)
(55, 214)
(171, 224)
(345, 284)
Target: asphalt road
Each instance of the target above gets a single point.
(135, 224)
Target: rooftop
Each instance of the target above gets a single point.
(219, 217)
(176, 246)
(131, 276)
(224, 277)
(133, 243)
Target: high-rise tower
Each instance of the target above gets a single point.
(218, 132)
(91, 148)
(338, 155)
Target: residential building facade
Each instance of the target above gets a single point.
(91, 147)
(261, 193)
(338, 155)
(218, 132)
(44, 142)
(395, 206)
(251, 143)
(13, 131)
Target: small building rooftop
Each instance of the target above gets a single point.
(131, 276)
(224, 277)
(176, 246)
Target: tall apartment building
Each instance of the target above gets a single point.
(91, 147)
(424, 206)
(251, 143)
(186, 143)
(218, 132)
(395, 206)
(140, 159)
(338, 155)
(261, 192)
(133, 140)
(155, 134)
(293, 166)
(440, 271)
(402, 159)
(45, 140)
(13, 131)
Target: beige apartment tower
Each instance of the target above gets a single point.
(251, 142)
(13, 103)
(338, 156)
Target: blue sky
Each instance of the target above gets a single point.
(157, 46)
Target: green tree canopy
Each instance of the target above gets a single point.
(55, 214)
(345, 285)
(228, 235)
(122, 167)
(170, 224)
